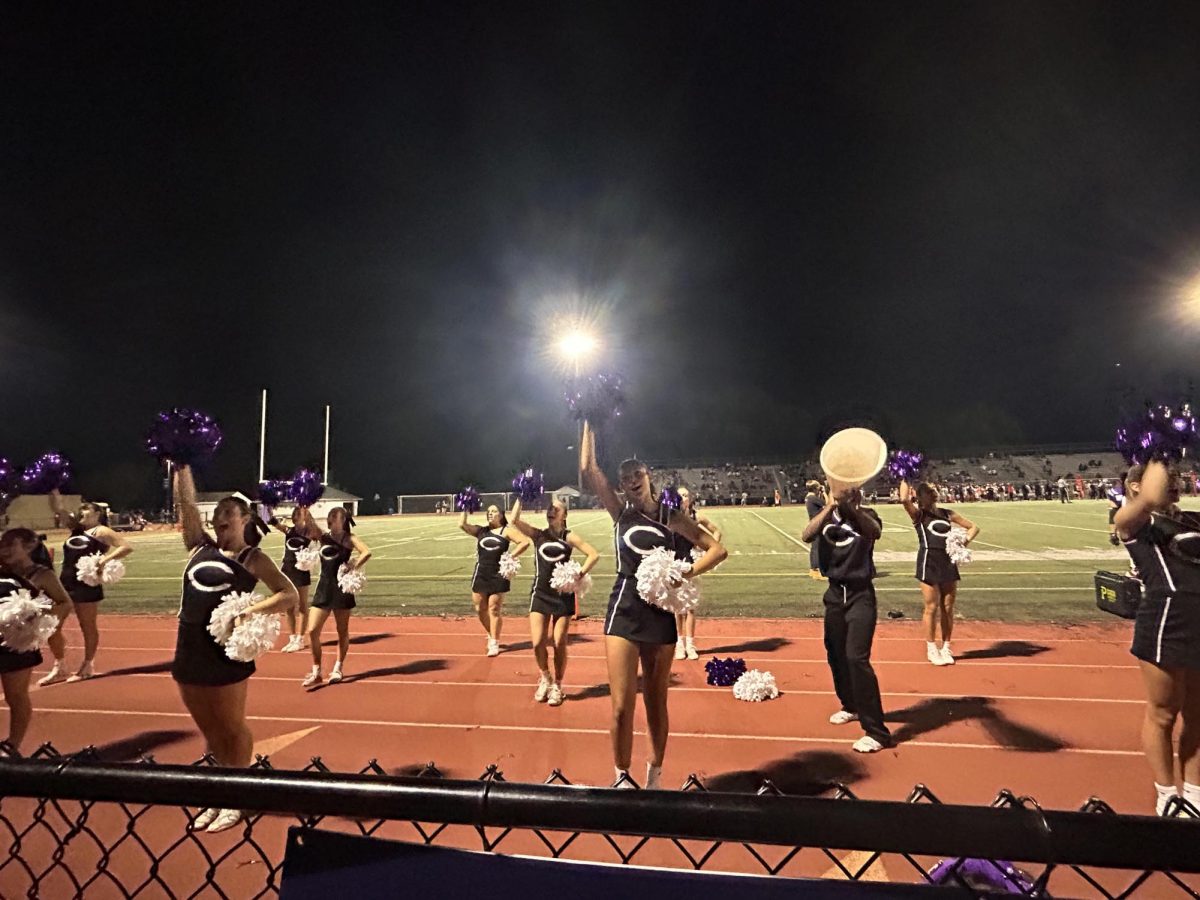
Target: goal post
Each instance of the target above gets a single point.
(416, 504)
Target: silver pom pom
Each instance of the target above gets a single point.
(755, 686)
(308, 559)
(661, 582)
(254, 637)
(351, 580)
(567, 578)
(956, 547)
(509, 566)
(232, 605)
(26, 622)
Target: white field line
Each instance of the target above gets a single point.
(769, 524)
(535, 729)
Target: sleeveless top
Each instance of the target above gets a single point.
(636, 534)
(77, 546)
(1167, 554)
(933, 529)
(293, 542)
(549, 551)
(489, 547)
(209, 576)
(11, 582)
(683, 547)
(333, 556)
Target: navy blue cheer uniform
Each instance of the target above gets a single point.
(933, 562)
(1166, 552)
(77, 546)
(635, 535)
(293, 542)
(11, 660)
(847, 559)
(489, 547)
(209, 577)
(548, 552)
(683, 547)
(328, 595)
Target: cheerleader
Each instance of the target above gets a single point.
(337, 546)
(937, 574)
(299, 536)
(551, 611)
(635, 631)
(685, 623)
(1165, 545)
(19, 571)
(487, 587)
(212, 685)
(90, 535)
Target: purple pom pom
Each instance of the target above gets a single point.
(596, 398)
(306, 487)
(724, 672)
(1161, 432)
(48, 472)
(984, 875)
(186, 437)
(529, 485)
(905, 465)
(670, 498)
(468, 498)
(274, 491)
(8, 476)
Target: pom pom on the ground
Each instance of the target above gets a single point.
(1162, 432)
(306, 487)
(661, 582)
(49, 472)
(956, 546)
(670, 498)
(351, 580)
(989, 876)
(905, 465)
(566, 579)
(468, 499)
(596, 398)
(183, 436)
(756, 686)
(725, 672)
(509, 566)
(90, 572)
(274, 491)
(529, 485)
(232, 605)
(26, 622)
(308, 559)
(256, 636)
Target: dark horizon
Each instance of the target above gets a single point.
(950, 221)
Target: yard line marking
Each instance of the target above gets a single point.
(780, 530)
(542, 729)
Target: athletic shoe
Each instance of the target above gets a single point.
(293, 644)
(680, 653)
(336, 675)
(1114, 540)
(225, 820)
(625, 783)
(653, 777)
(543, 688)
(493, 647)
(1160, 806)
(555, 697)
(934, 655)
(206, 818)
(814, 573)
(947, 656)
(867, 744)
(691, 651)
(54, 676)
(841, 717)
(314, 677)
(86, 671)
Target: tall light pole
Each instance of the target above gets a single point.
(262, 440)
(576, 346)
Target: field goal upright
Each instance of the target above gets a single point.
(409, 504)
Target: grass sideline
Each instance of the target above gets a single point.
(1034, 563)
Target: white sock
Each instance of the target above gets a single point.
(620, 773)
(1191, 793)
(931, 647)
(691, 642)
(653, 775)
(1164, 792)
(946, 646)
(547, 677)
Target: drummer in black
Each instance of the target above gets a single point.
(18, 571)
(212, 685)
(845, 534)
(488, 589)
(551, 611)
(635, 631)
(337, 546)
(937, 574)
(1164, 543)
(296, 537)
(90, 534)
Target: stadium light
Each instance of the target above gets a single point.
(576, 344)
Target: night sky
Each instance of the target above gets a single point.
(951, 220)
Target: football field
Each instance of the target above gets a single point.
(1033, 561)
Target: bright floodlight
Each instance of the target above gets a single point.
(575, 344)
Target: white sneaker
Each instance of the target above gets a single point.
(680, 653)
(86, 671)
(493, 648)
(555, 697)
(206, 818)
(314, 677)
(947, 657)
(867, 744)
(841, 717)
(336, 675)
(934, 655)
(690, 649)
(653, 777)
(225, 820)
(54, 676)
(543, 688)
(624, 782)
(292, 645)
(1160, 807)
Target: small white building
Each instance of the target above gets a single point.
(207, 501)
(34, 511)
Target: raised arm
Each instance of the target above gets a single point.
(964, 522)
(583, 546)
(185, 503)
(1151, 494)
(523, 527)
(283, 592)
(817, 522)
(906, 499)
(472, 530)
(714, 551)
(593, 476)
(361, 548)
(61, 516)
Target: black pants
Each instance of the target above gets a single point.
(849, 630)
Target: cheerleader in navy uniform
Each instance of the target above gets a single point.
(212, 685)
(337, 546)
(551, 611)
(488, 589)
(1164, 543)
(937, 574)
(635, 631)
(90, 535)
(18, 571)
(299, 536)
(685, 623)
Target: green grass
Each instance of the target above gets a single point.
(1042, 559)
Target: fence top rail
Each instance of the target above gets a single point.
(1018, 831)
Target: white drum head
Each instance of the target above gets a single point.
(854, 456)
